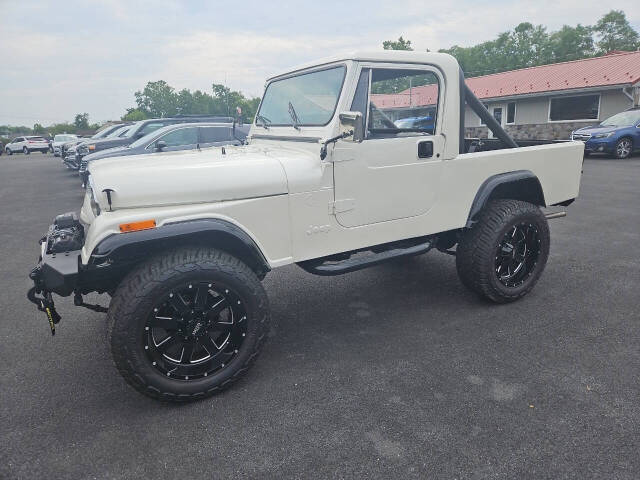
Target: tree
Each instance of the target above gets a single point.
(38, 129)
(158, 99)
(571, 43)
(615, 33)
(400, 44)
(81, 121)
(134, 115)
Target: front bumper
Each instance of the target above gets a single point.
(56, 272)
(600, 145)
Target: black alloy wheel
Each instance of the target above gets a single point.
(517, 254)
(195, 331)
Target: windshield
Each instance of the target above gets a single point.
(64, 138)
(117, 132)
(623, 119)
(133, 129)
(150, 136)
(313, 97)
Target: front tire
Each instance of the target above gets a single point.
(9, 151)
(187, 324)
(624, 148)
(502, 257)
(25, 150)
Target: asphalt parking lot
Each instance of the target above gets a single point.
(393, 372)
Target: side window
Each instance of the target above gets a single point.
(403, 101)
(214, 134)
(18, 140)
(182, 136)
(150, 127)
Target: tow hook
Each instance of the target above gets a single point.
(45, 304)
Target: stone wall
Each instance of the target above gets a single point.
(532, 131)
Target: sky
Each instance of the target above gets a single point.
(66, 57)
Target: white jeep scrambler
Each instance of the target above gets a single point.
(351, 161)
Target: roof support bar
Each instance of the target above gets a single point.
(487, 118)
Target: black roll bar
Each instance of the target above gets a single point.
(466, 95)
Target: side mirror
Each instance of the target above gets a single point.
(352, 122)
(161, 145)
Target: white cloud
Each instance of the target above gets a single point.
(91, 57)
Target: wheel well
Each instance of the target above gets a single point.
(118, 254)
(520, 185)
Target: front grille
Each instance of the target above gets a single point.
(581, 136)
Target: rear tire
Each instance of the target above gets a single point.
(502, 257)
(157, 300)
(25, 150)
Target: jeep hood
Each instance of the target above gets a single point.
(186, 177)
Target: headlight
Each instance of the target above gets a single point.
(603, 135)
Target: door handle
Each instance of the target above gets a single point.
(425, 149)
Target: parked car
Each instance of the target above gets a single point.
(618, 135)
(182, 241)
(1, 148)
(110, 131)
(27, 145)
(424, 123)
(139, 130)
(61, 139)
(172, 138)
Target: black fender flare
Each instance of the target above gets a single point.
(127, 248)
(516, 185)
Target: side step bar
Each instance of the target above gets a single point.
(321, 266)
(551, 216)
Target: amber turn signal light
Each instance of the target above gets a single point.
(135, 226)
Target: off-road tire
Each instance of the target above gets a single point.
(26, 151)
(476, 254)
(133, 301)
(624, 148)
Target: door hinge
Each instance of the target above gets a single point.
(341, 206)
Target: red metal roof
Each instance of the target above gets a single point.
(609, 70)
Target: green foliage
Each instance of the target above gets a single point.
(159, 99)
(81, 121)
(38, 129)
(134, 115)
(615, 33)
(531, 45)
(400, 44)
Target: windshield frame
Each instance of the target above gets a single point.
(299, 73)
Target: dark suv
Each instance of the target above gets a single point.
(182, 136)
(139, 130)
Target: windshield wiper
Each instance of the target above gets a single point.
(294, 117)
(265, 121)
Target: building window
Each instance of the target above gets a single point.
(581, 107)
(486, 105)
(511, 112)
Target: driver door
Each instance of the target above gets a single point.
(395, 172)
